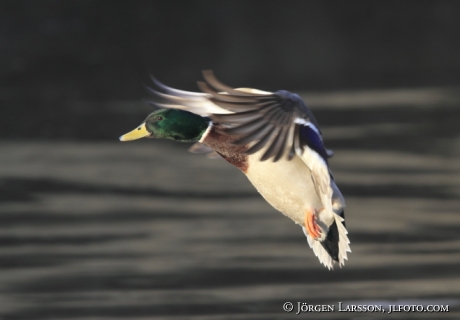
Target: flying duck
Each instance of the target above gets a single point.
(273, 138)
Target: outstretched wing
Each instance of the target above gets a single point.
(279, 121)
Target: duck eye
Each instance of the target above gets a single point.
(159, 118)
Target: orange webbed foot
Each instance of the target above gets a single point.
(312, 227)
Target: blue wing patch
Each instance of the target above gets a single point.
(311, 138)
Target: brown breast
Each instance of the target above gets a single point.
(222, 144)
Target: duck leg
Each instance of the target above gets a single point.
(312, 227)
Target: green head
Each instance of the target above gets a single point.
(171, 124)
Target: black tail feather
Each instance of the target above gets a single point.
(331, 243)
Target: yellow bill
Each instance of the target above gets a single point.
(139, 132)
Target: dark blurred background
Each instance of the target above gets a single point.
(92, 228)
(60, 61)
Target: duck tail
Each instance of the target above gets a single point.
(335, 246)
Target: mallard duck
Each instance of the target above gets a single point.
(274, 139)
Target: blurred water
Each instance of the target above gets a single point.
(143, 230)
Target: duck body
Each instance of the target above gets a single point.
(274, 139)
(269, 178)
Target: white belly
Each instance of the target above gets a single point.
(280, 185)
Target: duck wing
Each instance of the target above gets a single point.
(279, 121)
